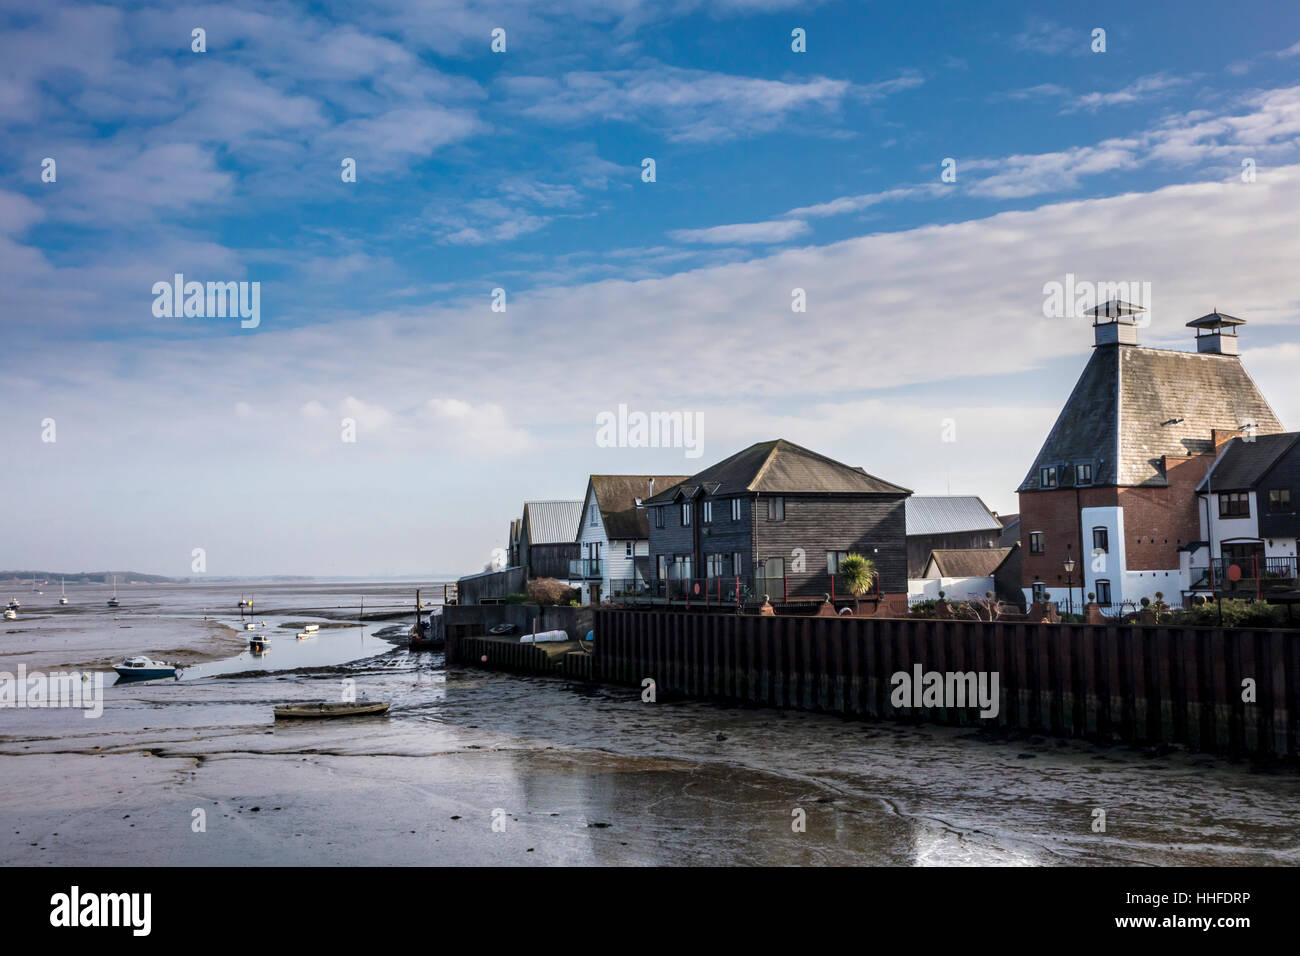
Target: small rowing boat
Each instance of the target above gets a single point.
(327, 708)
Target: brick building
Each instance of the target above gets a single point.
(1114, 489)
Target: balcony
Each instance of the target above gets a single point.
(1258, 575)
(585, 569)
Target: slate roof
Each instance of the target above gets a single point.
(616, 497)
(1242, 464)
(552, 522)
(780, 467)
(951, 514)
(967, 562)
(1133, 405)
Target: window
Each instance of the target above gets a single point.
(1235, 505)
(713, 565)
(735, 509)
(1103, 593)
(595, 514)
(775, 509)
(1040, 591)
(1083, 474)
(1101, 540)
(1035, 542)
(629, 549)
(686, 514)
(833, 559)
(737, 563)
(708, 512)
(659, 516)
(1279, 501)
(662, 566)
(1047, 477)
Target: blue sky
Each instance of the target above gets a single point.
(522, 170)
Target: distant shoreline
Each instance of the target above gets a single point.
(17, 578)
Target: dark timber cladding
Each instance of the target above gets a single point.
(1140, 685)
(788, 501)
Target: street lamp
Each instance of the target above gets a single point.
(1069, 581)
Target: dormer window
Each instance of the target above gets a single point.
(1047, 477)
(1083, 474)
(686, 514)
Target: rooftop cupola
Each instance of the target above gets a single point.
(1216, 333)
(1115, 322)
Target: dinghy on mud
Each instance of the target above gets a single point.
(315, 709)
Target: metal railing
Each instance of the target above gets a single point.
(1256, 574)
(734, 589)
(583, 569)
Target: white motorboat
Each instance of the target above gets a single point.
(250, 626)
(260, 641)
(142, 668)
(11, 614)
(311, 628)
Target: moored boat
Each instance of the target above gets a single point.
(11, 614)
(311, 628)
(142, 668)
(326, 708)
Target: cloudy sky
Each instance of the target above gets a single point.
(522, 170)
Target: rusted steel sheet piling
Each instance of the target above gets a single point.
(1138, 684)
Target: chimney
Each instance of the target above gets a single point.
(1216, 333)
(1115, 323)
(652, 487)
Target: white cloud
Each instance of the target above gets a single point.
(776, 230)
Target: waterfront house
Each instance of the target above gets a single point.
(968, 574)
(776, 519)
(614, 536)
(945, 523)
(1111, 499)
(548, 533)
(1248, 518)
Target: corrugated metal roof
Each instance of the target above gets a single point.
(948, 515)
(552, 522)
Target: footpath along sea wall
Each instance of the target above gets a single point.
(1216, 690)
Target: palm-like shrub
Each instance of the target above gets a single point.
(857, 573)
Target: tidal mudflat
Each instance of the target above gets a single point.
(472, 767)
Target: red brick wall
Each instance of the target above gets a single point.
(1156, 522)
(1159, 520)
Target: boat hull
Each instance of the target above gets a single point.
(149, 673)
(321, 709)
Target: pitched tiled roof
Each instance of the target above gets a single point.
(781, 467)
(1134, 405)
(967, 562)
(552, 522)
(616, 497)
(1243, 463)
(934, 514)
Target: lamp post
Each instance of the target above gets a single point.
(1069, 582)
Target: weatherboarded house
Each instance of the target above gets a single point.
(782, 517)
